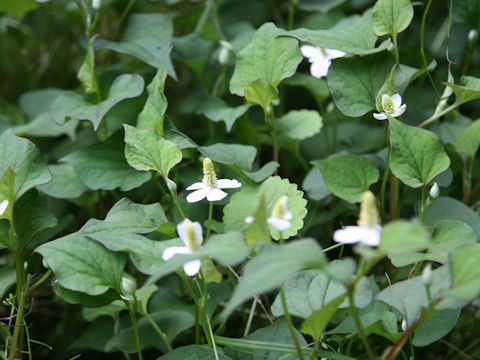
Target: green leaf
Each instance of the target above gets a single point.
(25, 160)
(147, 37)
(65, 184)
(266, 171)
(245, 202)
(72, 105)
(89, 301)
(448, 235)
(409, 297)
(316, 323)
(355, 81)
(468, 92)
(465, 273)
(270, 336)
(8, 277)
(153, 112)
(127, 217)
(257, 231)
(299, 124)
(193, 50)
(467, 12)
(193, 352)
(37, 102)
(87, 74)
(260, 92)
(417, 155)
(241, 156)
(322, 6)
(83, 265)
(267, 57)
(44, 126)
(7, 186)
(353, 35)
(17, 8)
(391, 16)
(208, 23)
(445, 208)
(403, 236)
(435, 327)
(145, 150)
(217, 110)
(311, 290)
(469, 139)
(314, 185)
(269, 269)
(31, 216)
(103, 166)
(348, 177)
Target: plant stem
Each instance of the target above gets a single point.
(422, 48)
(40, 281)
(393, 197)
(424, 203)
(384, 185)
(131, 312)
(209, 224)
(316, 343)
(291, 15)
(288, 319)
(395, 49)
(122, 19)
(159, 331)
(332, 247)
(369, 350)
(270, 119)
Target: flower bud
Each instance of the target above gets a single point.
(128, 285)
(472, 36)
(390, 47)
(427, 275)
(404, 325)
(224, 52)
(96, 4)
(434, 191)
(368, 210)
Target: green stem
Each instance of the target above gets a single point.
(315, 348)
(335, 130)
(271, 122)
(332, 247)
(422, 47)
(438, 115)
(395, 49)
(209, 224)
(177, 203)
(424, 203)
(40, 281)
(188, 281)
(288, 319)
(393, 197)
(383, 187)
(369, 350)
(468, 179)
(159, 331)
(291, 15)
(135, 330)
(122, 19)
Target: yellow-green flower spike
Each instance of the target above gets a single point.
(192, 241)
(368, 210)
(279, 207)
(388, 106)
(209, 176)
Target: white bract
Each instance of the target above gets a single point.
(210, 187)
(320, 58)
(281, 216)
(3, 206)
(392, 106)
(368, 229)
(192, 237)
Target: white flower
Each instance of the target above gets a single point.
(368, 229)
(192, 237)
(96, 4)
(280, 217)
(3, 206)
(210, 187)
(391, 106)
(320, 58)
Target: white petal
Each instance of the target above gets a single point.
(249, 219)
(319, 68)
(196, 186)
(280, 224)
(171, 251)
(3, 206)
(379, 116)
(192, 268)
(397, 101)
(288, 216)
(182, 230)
(227, 184)
(216, 194)
(372, 236)
(333, 54)
(198, 195)
(198, 232)
(399, 111)
(347, 235)
(311, 52)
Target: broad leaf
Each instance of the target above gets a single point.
(260, 92)
(87, 74)
(17, 8)
(469, 139)
(83, 265)
(465, 273)
(353, 35)
(217, 110)
(241, 156)
(8, 277)
(348, 177)
(25, 160)
(72, 105)
(269, 269)
(268, 57)
(417, 155)
(257, 231)
(316, 323)
(245, 202)
(44, 126)
(299, 124)
(89, 301)
(356, 81)
(391, 16)
(403, 236)
(103, 166)
(266, 171)
(435, 327)
(146, 150)
(65, 184)
(314, 185)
